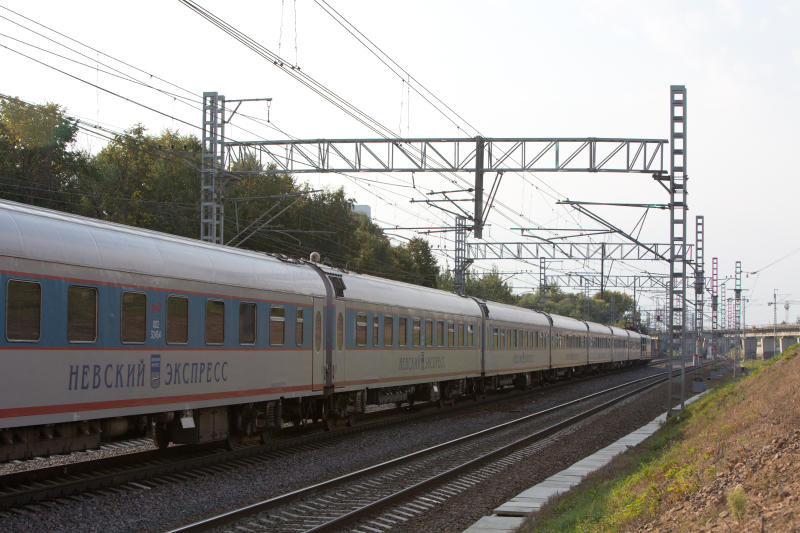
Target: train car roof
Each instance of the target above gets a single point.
(362, 287)
(513, 313)
(619, 332)
(565, 322)
(44, 235)
(594, 327)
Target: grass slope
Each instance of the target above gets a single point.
(728, 462)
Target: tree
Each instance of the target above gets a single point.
(146, 181)
(490, 286)
(153, 182)
(425, 268)
(36, 164)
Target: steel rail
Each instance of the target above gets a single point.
(258, 507)
(365, 510)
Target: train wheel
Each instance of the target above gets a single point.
(160, 437)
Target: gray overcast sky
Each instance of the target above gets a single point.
(513, 68)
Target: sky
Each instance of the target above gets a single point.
(509, 68)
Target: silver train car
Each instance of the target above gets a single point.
(108, 330)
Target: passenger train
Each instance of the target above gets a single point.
(108, 330)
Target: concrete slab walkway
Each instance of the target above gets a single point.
(508, 517)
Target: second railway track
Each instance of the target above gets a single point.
(427, 476)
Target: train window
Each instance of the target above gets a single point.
(428, 333)
(460, 336)
(81, 314)
(339, 331)
(361, 329)
(23, 310)
(247, 323)
(277, 325)
(440, 333)
(375, 330)
(298, 328)
(177, 320)
(317, 331)
(495, 340)
(402, 332)
(388, 333)
(215, 322)
(416, 332)
(133, 318)
(451, 334)
(470, 337)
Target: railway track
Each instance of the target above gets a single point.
(366, 500)
(153, 467)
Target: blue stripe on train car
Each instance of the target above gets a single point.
(53, 325)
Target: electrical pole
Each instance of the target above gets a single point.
(699, 286)
(774, 304)
(714, 308)
(744, 327)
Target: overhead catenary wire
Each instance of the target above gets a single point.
(376, 185)
(126, 77)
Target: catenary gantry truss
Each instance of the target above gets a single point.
(573, 250)
(590, 280)
(477, 155)
(455, 155)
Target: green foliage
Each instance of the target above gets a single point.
(611, 307)
(145, 181)
(36, 165)
(737, 502)
(490, 286)
(153, 182)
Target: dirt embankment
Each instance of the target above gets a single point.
(746, 464)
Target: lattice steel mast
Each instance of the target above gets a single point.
(699, 283)
(212, 164)
(676, 326)
(714, 307)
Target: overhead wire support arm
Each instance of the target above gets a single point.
(239, 104)
(615, 204)
(601, 220)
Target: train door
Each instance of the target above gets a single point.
(318, 348)
(340, 343)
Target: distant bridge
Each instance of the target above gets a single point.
(760, 341)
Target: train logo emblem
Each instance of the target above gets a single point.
(155, 370)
